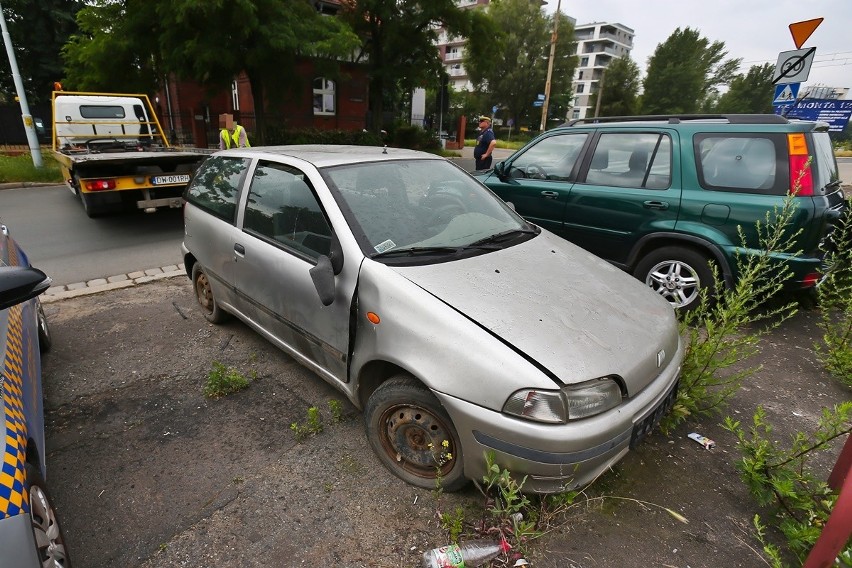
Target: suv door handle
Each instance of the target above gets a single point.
(239, 249)
(549, 194)
(661, 205)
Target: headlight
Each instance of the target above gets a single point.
(569, 403)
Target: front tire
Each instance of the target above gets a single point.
(413, 435)
(50, 540)
(204, 294)
(678, 274)
(45, 340)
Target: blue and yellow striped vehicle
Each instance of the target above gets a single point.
(30, 535)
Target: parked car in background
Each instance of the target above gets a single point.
(458, 327)
(663, 196)
(30, 534)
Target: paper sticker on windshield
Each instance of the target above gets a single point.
(387, 245)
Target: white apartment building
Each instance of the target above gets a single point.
(452, 49)
(598, 44)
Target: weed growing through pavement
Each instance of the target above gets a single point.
(312, 425)
(222, 381)
(781, 479)
(336, 409)
(835, 302)
(724, 329)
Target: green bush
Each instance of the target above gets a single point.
(279, 136)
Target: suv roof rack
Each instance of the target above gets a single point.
(678, 118)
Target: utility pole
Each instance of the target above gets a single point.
(32, 139)
(553, 37)
(600, 93)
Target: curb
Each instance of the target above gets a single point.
(21, 184)
(98, 285)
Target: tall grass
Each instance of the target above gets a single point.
(21, 169)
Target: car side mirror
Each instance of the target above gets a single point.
(335, 255)
(323, 277)
(500, 169)
(21, 283)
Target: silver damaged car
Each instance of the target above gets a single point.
(459, 328)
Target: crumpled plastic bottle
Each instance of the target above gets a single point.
(468, 555)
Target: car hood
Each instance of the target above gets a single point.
(570, 313)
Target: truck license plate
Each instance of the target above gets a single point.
(170, 180)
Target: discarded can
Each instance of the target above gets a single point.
(703, 440)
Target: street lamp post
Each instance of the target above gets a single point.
(550, 66)
(32, 139)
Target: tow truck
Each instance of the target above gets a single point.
(114, 155)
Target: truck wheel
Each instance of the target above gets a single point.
(204, 294)
(413, 436)
(91, 210)
(678, 274)
(50, 540)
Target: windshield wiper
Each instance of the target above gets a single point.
(416, 251)
(504, 236)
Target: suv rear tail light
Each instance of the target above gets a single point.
(801, 178)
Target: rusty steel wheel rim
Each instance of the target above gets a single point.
(417, 440)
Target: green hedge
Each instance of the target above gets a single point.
(412, 137)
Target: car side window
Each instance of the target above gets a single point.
(641, 160)
(216, 186)
(281, 207)
(745, 163)
(552, 158)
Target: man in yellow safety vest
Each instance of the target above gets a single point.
(231, 134)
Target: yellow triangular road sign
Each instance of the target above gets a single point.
(802, 30)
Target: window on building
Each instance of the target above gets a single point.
(235, 95)
(323, 96)
(581, 88)
(584, 62)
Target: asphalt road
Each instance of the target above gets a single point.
(51, 226)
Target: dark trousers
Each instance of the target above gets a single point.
(484, 163)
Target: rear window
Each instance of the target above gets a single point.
(824, 166)
(216, 186)
(101, 111)
(746, 163)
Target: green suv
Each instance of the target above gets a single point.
(663, 196)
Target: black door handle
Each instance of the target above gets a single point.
(239, 249)
(549, 194)
(661, 205)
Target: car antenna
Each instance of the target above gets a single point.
(385, 151)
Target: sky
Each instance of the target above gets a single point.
(754, 30)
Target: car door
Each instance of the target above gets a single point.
(284, 231)
(628, 187)
(538, 180)
(209, 220)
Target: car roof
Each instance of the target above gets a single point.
(325, 155)
(703, 121)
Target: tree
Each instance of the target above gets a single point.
(399, 44)
(508, 52)
(39, 29)
(207, 41)
(683, 71)
(749, 93)
(620, 89)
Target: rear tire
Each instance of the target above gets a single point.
(204, 294)
(45, 340)
(678, 274)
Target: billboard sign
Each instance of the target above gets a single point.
(835, 112)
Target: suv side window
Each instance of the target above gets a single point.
(641, 160)
(216, 186)
(552, 158)
(282, 208)
(748, 163)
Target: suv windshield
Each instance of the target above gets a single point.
(421, 207)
